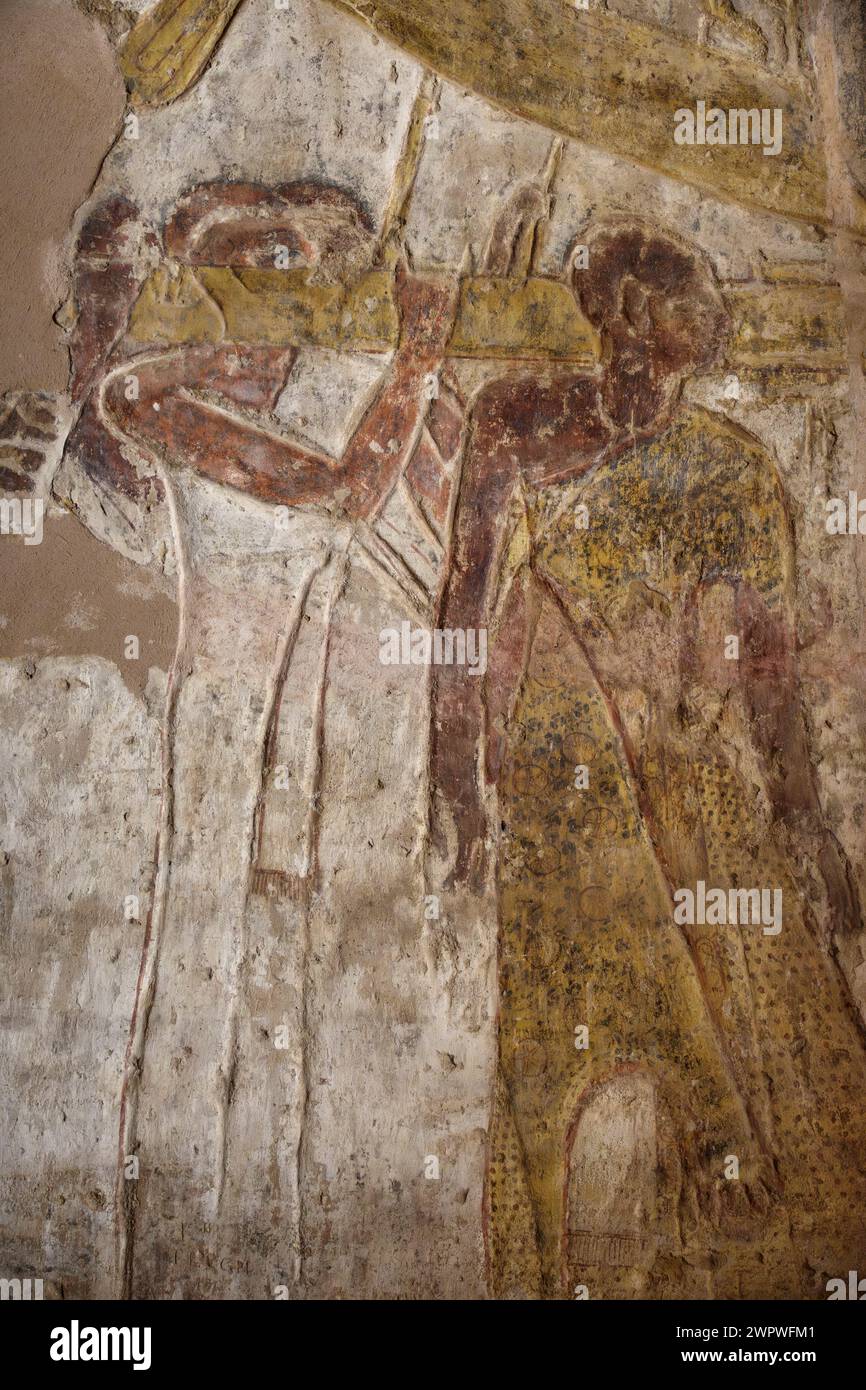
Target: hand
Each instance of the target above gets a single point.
(473, 856)
(459, 836)
(427, 307)
(738, 1208)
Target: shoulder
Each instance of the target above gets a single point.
(699, 457)
(524, 392)
(523, 407)
(715, 492)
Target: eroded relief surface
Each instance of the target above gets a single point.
(432, 644)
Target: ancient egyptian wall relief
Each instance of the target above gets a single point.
(483, 435)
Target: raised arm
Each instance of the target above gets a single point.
(201, 407)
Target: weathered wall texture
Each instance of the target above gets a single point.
(440, 573)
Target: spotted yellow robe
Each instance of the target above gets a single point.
(607, 1161)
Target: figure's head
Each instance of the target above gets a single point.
(221, 223)
(244, 224)
(659, 314)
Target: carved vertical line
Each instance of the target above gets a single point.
(146, 984)
(229, 1066)
(313, 836)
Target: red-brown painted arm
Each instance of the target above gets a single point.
(184, 400)
(489, 477)
(768, 671)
